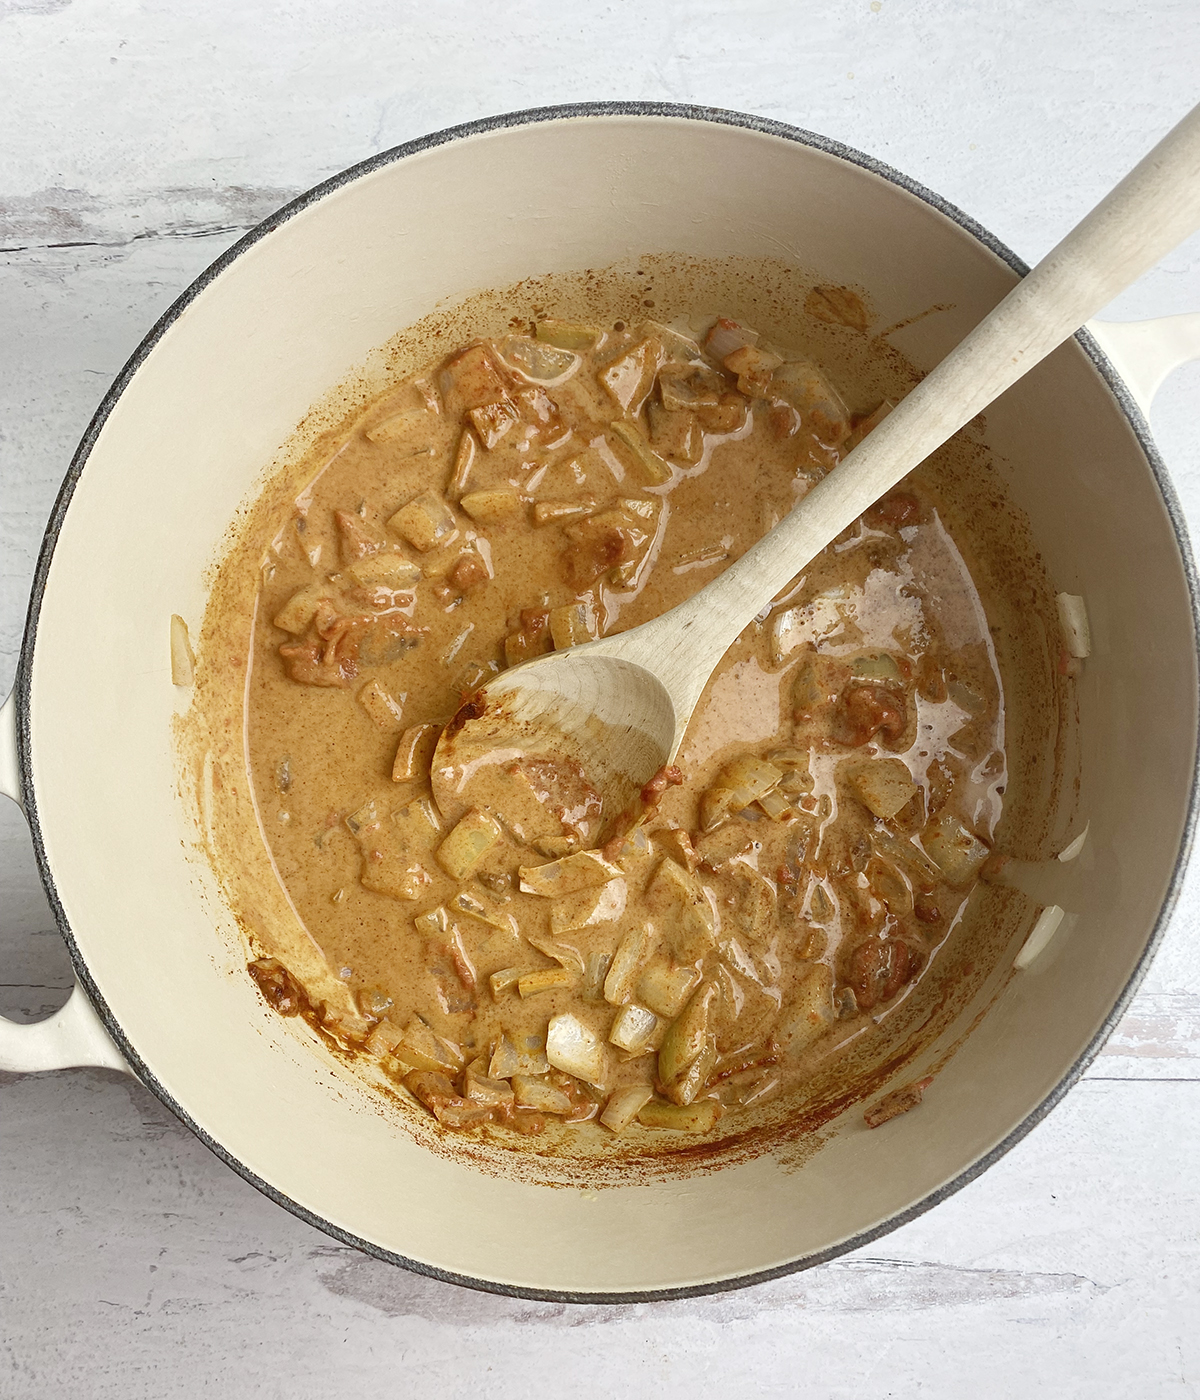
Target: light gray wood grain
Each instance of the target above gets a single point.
(139, 139)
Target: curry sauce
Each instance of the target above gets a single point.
(837, 793)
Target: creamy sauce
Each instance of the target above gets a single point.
(842, 778)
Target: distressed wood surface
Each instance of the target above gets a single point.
(139, 139)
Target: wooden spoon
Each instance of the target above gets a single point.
(616, 710)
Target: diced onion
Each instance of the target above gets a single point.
(665, 989)
(433, 923)
(633, 1028)
(588, 908)
(546, 979)
(885, 785)
(467, 844)
(1071, 851)
(625, 1105)
(1042, 932)
(737, 785)
(569, 875)
(632, 952)
(532, 1092)
(562, 953)
(954, 849)
(183, 659)
(727, 336)
(685, 1118)
(575, 1048)
(567, 335)
(540, 360)
(1072, 613)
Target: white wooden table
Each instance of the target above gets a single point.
(138, 138)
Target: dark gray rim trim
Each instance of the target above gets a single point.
(24, 672)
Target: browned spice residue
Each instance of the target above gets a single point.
(838, 306)
(897, 1102)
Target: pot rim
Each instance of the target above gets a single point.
(583, 111)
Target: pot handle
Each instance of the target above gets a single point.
(75, 1035)
(1144, 352)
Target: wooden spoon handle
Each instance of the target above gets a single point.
(1154, 208)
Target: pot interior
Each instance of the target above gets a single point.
(184, 448)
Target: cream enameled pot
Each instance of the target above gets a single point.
(180, 443)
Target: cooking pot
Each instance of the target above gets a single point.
(179, 444)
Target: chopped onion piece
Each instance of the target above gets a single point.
(686, 1042)
(573, 624)
(575, 1049)
(594, 972)
(625, 1105)
(425, 522)
(539, 360)
(683, 914)
(490, 507)
(655, 469)
(569, 875)
(806, 388)
(810, 1013)
(300, 608)
(726, 336)
(665, 989)
(556, 512)
(544, 980)
(464, 458)
(480, 1087)
(675, 842)
(420, 1047)
(879, 668)
(588, 907)
(884, 785)
(398, 425)
(504, 981)
(388, 570)
(532, 1092)
(1072, 613)
(468, 903)
(504, 1062)
(632, 952)
(473, 837)
(1042, 932)
(433, 923)
(753, 368)
(385, 710)
(737, 785)
(1071, 851)
(904, 853)
(507, 1060)
(562, 953)
(414, 753)
(633, 1029)
(183, 659)
(492, 420)
(775, 806)
(630, 378)
(677, 345)
(956, 851)
(383, 1039)
(684, 1118)
(754, 774)
(567, 335)
(437, 1093)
